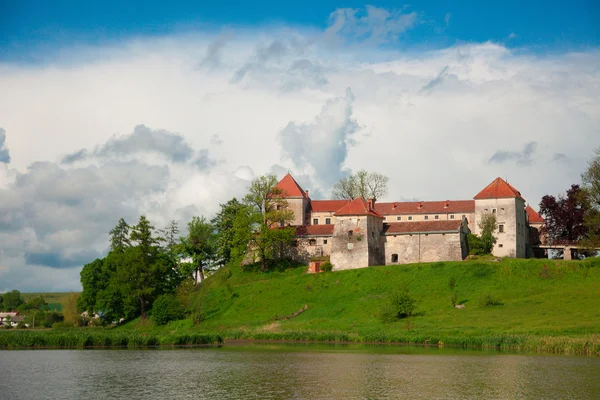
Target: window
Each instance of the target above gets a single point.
(312, 242)
(486, 210)
(437, 217)
(410, 218)
(493, 211)
(350, 234)
(394, 258)
(501, 228)
(502, 209)
(398, 218)
(324, 241)
(500, 245)
(278, 207)
(426, 217)
(373, 234)
(452, 216)
(328, 221)
(315, 221)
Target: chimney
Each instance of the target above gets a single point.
(371, 204)
(447, 203)
(306, 192)
(420, 205)
(394, 206)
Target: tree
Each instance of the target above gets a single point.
(166, 308)
(140, 271)
(170, 234)
(12, 300)
(119, 236)
(565, 216)
(362, 184)
(261, 224)
(488, 226)
(591, 185)
(224, 226)
(199, 245)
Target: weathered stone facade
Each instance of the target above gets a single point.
(361, 233)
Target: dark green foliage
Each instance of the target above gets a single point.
(280, 265)
(453, 291)
(476, 246)
(326, 266)
(490, 300)
(166, 308)
(399, 304)
(200, 245)
(12, 300)
(223, 223)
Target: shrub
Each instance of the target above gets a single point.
(326, 266)
(489, 300)
(166, 308)
(398, 305)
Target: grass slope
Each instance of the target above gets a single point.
(548, 305)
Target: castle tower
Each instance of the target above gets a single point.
(357, 240)
(506, 203)
(297, 198)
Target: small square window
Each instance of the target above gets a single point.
(437, 217)
(427, 217)
(410, 218)
(327, 221)
(398, 218)
(485, 210)
(493, 211)
(502, 209)
(312, 242)
(500, 245)
(315, 221)
(324, 241)
(452, 216)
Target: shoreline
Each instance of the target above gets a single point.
(106, 339)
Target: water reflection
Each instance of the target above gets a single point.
(292, 372)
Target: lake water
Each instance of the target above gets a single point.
(294, 372)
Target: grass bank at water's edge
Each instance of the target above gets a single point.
(548, 306)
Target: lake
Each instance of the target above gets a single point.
(288, 371)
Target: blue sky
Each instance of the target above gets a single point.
(549, 25)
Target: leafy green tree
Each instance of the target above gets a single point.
(591, 186)
(166, 308)
(170, 234)
(261, 226)
(140, 271)
(119, 236)
(488, 226)
(200, 245)
(362, 184)
(36, 303)
(12, 300)
(93, 279)
(224, 226)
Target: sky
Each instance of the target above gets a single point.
(111, 110)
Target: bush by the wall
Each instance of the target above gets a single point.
(326, 266)
(166, 308)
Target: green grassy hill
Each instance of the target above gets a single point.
(54, 300)
(555, 302)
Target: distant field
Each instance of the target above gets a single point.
(54, 300)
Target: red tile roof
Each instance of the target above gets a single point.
(533, 216)
(358, 206)
(498, 189)
(427, 207)
(315, 230)
(290, 187)
(421, 226)
(327, 205)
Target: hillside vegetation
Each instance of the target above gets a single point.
(545, 303)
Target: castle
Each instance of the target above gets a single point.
(361, 233)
